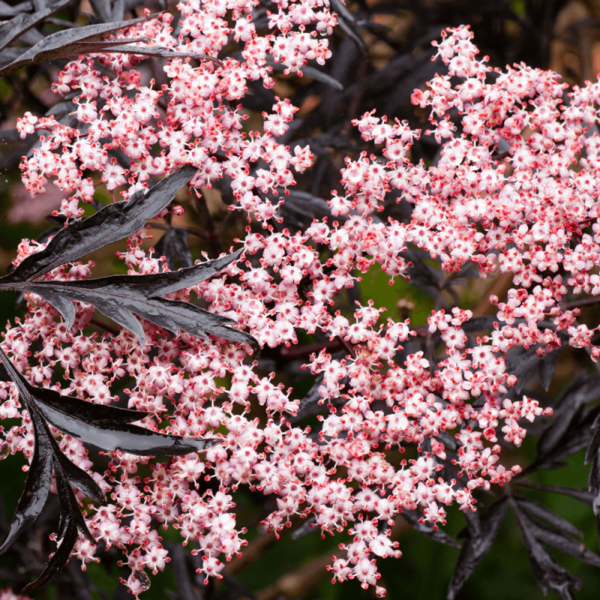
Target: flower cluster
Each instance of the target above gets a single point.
(192, 120)
(8, 594)
(522, 211)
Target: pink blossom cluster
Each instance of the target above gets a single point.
(8, 594)
(192, 120)
(521, 211)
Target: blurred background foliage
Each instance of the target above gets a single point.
(381, 53)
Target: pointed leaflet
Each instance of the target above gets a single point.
(80, 479)
(308, 71)
(118, 10)
(7, 56)
(161, 284)
(69, 507)
(581, 495)
(103, 426)
(557, 539)
(79, 409)
(593, 456)
(583, 391)
(108, 435)
(173, 245)
(87, 411)
(59, 558)
(101, 10)
(306, 204)
(547, 367)
(105, 433)
(322, 77)
(63, 305)
(541, 512)
(24, 22)
(183, 571)
(110, 224)
(546, 571)
(473, 524)
(348, 24)
(350, 32)
(56, 44)
(120, 297)
(7, 11)
(73, 474)
(309, 405)
(476, 547)
(36, 490)
(594, 447)
(68, 503)
(578, 435)
(48, 458)
(159, 51)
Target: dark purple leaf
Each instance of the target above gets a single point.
(48, 458)
(101, 10)
(546, 571)
(317, 75)
(173, 245)
(307, 205)
(110, 436)
(473, 524)
(577, 437)
(564, 543)
(157, 51)
(36, 490)
(110, 224)
(480, 323)
(594, 484)
(64, 43)
(69, 506)
(7, 56)
(519, 360)
(85, 411)
(347, 23)
(535, 509)
(61, 464)
(118, 11)
(546, 368)
(16, 27)
(592, 450)
(309, 404)
(106, 427)
(308, 71)
(59, 558)
(63, 305)
(161, 284)
(10, 11)
(475, 548)
(581, 495)
(582, 391)
(353, 34)
(103, 432)
(61, 22)
(120, 297)
(184, 572)
(80, 479)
